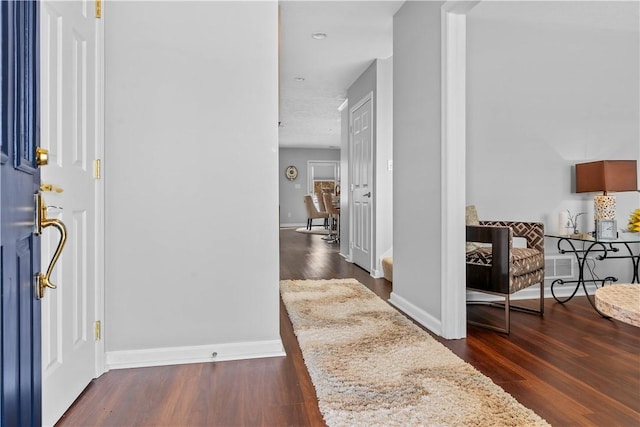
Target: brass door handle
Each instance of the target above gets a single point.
(43, 281)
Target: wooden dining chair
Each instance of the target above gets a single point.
(321, 208)
(334, 217)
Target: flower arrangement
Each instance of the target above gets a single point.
(634, 221)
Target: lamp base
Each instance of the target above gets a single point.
(604, 207)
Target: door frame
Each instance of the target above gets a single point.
(100, 273)
(453, 167)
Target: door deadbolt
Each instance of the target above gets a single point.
(42, 156)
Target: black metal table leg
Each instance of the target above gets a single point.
(581, 279)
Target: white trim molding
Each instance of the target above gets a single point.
(347, 257)
(343, 105)
(100, 275)
(416, 313)
(193, 354)
(292, 225)
(453, 166)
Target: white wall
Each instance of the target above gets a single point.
(383, 154)
(416, 157)
(191, 175)
(544, 95)
(345, 249)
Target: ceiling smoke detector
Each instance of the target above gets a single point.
(319, 36)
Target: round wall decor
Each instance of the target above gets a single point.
(291, 172)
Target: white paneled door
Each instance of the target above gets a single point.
(71, 127)
(361, 167)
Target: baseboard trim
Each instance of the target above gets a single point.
(416, 313)
(347, 257)
(435, 326)
(293, 224)
(193, 354)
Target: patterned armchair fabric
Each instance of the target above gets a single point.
(501, 268)
(525, 265)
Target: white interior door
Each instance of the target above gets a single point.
(71, 129)
(361, 167)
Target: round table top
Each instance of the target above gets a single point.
(620, 301)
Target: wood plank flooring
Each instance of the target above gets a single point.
(571, 367)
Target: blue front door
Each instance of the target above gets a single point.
(20, 371)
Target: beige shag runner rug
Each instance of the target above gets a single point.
(371, 366)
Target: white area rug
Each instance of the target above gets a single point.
(371, 366)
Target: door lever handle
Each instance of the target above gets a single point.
(43, 281)
(367, 194)
(51, 187)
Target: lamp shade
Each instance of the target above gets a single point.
(606, 175)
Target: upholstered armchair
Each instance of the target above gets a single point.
(312, 212)
(502, 269)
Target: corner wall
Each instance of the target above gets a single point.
(416, 156)
(345, 249)
(383, 155)
(191, 182)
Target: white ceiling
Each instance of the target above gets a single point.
(607, 15)
(360, 31)
(357, 33)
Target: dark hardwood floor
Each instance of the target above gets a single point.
(571, 367)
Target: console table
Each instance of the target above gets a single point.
(605, 249)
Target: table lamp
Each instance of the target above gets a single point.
(606, 176)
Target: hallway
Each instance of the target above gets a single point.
(266, 392)
(571, 367)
